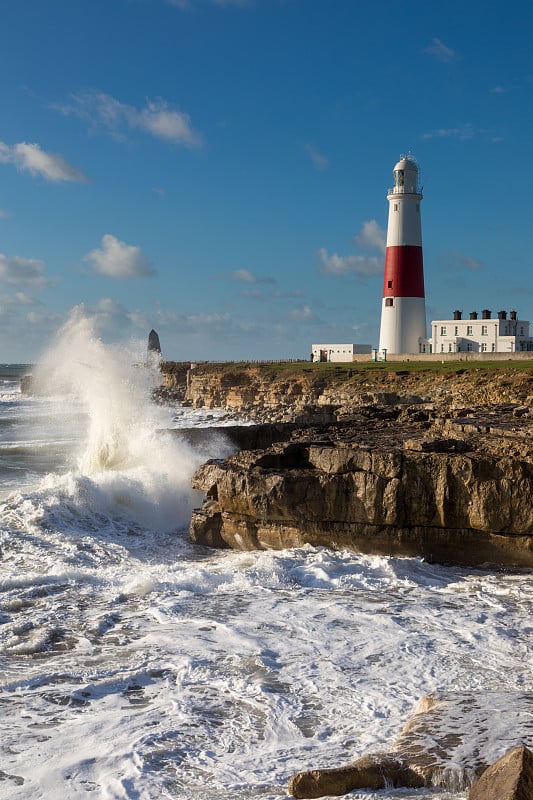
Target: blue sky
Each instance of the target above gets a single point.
(218, 169)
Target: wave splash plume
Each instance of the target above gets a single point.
(125, 461)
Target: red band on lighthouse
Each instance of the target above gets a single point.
(404, 272)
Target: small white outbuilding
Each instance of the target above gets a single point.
(339, 353)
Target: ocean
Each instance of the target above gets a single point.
(136, 665)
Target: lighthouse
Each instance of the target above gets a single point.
(403, 308)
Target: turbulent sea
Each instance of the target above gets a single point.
(136, 665)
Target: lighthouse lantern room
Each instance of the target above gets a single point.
(403, 309)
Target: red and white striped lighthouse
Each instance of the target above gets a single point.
(403, 309)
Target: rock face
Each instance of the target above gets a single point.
(303, 393)
(510, 778)
(453, 491)
(448, 743)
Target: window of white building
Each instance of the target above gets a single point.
(443, 330)
(469, 330)
(484, 331)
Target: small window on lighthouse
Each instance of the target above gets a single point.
(389, 284)
(396, 206)
(389, 301)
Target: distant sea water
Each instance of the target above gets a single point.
(136, 665)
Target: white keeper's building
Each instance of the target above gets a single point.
(339, 353)
(485, 335)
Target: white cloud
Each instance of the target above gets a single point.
(440, 51)
(372, 236)
(253, 294)
(164, 123)
(30, 158)
(18, 271)
(243, 275)
(25, 299)
(42, 318)
(106, 305)
(304, 314)
(157, 117)
(14, 300)
(292, 294)
(463, 132)
(460, 261)
(318, 159)
(117, 259)
(349, 265)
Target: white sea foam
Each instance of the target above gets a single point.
(135, 665)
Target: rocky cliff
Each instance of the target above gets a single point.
(431, 463)
(324, 392)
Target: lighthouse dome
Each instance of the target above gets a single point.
(406, 162)
(406, 176)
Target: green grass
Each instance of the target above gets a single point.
(330, 371)
(396, 366)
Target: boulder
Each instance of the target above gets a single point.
(374, 771)
(509, 778)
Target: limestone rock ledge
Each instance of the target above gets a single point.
(451, 492)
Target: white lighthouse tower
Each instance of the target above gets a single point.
(403, 309)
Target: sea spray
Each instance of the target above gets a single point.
(127, 463)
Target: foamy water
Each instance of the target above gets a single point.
(136, 665)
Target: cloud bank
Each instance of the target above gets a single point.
(17, 271)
